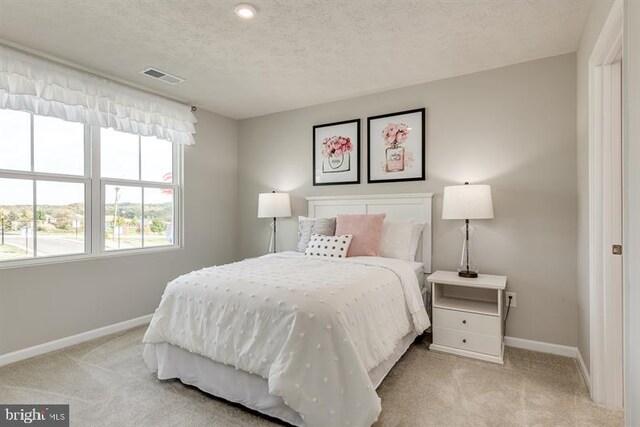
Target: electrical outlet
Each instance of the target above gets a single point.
(513, 299)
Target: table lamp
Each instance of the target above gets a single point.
(467, 202)
(274, 205)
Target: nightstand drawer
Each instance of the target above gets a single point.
(469, 341)
(468, 322)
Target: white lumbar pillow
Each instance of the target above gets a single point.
(400, 239)
(328, 246)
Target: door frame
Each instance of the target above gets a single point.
(606, 291)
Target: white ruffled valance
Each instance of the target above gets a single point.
(47, 88)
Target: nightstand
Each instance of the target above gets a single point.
(467, 315)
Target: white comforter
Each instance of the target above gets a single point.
(312, 327)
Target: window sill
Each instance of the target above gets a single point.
(34, 262)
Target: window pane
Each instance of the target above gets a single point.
(119, 155)
(157, 155)
(58, 146)
(158, 216)
(16, 218)
(59, 218)
(123, 217)
(15, 140)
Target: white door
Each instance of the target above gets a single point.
(612, 236)
(606, 214)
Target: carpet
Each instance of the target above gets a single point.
(106, 383)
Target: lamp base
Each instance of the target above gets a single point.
(468, 274)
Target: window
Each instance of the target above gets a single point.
(137, 173)
(69, 189)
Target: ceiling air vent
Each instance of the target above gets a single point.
(161, 75)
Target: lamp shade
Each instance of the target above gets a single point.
(274, 205)
(467, 202)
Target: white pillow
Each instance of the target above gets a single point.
(328, 246)
(400, 239)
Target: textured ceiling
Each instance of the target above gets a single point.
(295, 52)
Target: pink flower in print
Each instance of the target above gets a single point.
(403, 132)
(336, 145)
(395, 133)
(389, 133)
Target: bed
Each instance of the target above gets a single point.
(298, 338)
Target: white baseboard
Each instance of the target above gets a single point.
(560, 350)
(585, 371)
(543, 347)
(50, 346)
(37, 350)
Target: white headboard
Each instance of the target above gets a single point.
(396, 206)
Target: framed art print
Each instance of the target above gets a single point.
(396, 147)
(336, 153)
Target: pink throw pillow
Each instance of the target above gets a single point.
(366, 231)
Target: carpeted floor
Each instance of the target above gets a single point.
(107, 384)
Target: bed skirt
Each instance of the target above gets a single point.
(234, 385)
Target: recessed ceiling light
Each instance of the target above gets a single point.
(245, 11)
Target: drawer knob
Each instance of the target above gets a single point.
(464, 340)
(464, 322)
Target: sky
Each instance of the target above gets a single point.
(58, 147)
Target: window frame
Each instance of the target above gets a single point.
(94, 202)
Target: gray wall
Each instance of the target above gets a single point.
(509, 127)
(513, 128)
(597, 17)
(632, 211)
(44, 303)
